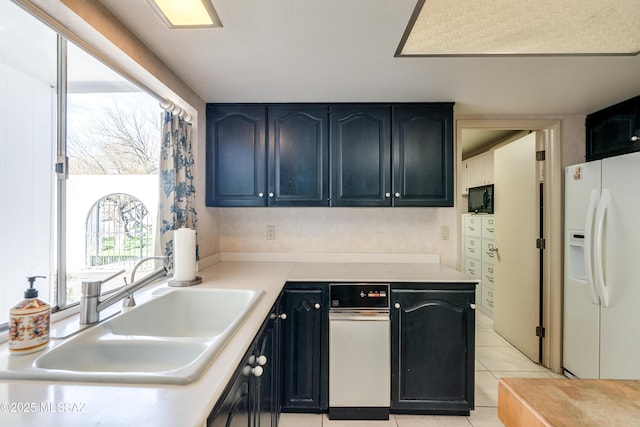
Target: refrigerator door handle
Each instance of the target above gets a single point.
(588, 245)
(603, 206)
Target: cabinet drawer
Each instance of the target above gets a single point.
(487, 298)
(472, 226)
(487, 253)
(487, 227)
(473, 267)
(472, 247)
(487, 274)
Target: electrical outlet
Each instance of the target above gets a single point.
(271, 232)
(444, 231)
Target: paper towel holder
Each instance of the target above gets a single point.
(184, 283)
(184, 244)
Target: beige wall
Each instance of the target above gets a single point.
(573, 140)
(369, 230)
(341, 230)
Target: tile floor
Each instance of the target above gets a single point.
(495, 358)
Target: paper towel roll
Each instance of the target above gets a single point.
(184, 254)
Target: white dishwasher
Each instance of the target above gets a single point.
(359, 351)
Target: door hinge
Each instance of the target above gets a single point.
(540, 331)
(540, 156)
(541, 244)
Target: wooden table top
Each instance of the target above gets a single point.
(557, 402)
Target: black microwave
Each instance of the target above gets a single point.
(481, 199)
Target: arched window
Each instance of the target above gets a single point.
(119, 232)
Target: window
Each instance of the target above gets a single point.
(97, 216)
(27, 154)
(113, 150)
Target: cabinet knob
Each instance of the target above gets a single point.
(317, 306)
(262, 360)
(634, 138)
(257, 371)
(396, 305)
(397, 195)
(270, 194)
(387, 195)
(282, 316)
(473, 306)
(260, 194)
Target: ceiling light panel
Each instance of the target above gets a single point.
(523, 27)
(186, 13)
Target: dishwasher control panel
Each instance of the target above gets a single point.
(359, 295)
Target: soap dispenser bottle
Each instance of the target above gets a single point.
(29, 322)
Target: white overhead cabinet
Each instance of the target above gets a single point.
(477, 171)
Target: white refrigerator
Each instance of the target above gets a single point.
(602, 269)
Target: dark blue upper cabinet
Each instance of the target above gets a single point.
(614, 130)
(423, 154)
(330, 155)
(361, 151)
(298, 155)
(236, 156)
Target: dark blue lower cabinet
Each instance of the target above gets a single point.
(286, 368)
(304, 348)
(236, 408)
(252, 398)
(433, 349)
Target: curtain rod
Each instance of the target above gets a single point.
(171, 107)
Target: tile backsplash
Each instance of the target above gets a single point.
(340, 230)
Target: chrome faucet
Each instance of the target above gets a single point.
(90, 303)
(129, 301)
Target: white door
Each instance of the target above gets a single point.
(620, 312)
(517, 263)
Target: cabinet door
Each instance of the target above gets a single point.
(361, 150)
(298, 155)
(304, 350)
(236, 156)
(423, 155)
(432, 365)
(268, 384)
(611, 131)
(236, 409)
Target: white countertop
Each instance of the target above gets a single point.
(25, 403)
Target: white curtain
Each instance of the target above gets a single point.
(177, 189)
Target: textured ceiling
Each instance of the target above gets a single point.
(344, 50)
(498, 27)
